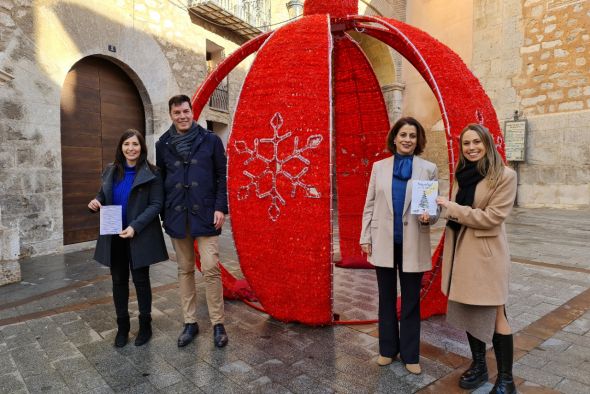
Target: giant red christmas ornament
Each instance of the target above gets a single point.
(311, 102)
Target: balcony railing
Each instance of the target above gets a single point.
(248, 18)
(220, 99)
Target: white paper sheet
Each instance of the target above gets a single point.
(111, 219)
(424, 195)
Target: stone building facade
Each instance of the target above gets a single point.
(161, 46)
(530, 55)
(154, 42)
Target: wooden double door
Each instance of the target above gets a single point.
(99, 101)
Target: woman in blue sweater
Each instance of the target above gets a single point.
(136, 185)
(397, 243)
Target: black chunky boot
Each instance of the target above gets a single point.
(122, 331)
(477, 374)
(504, 350)
(145, 330)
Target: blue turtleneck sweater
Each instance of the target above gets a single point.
(402, 171)
(121, 190)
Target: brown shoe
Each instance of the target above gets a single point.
(414, 368)
(383, 361)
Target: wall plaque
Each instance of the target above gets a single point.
(515, 139)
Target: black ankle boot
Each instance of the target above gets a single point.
(504, 350)
(145, 330)
(122, 331)
(477, 374)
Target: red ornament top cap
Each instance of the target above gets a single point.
(336, 8)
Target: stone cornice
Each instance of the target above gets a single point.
(394, 86)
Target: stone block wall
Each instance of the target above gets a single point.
(555, 56)
(531, 56)
(157, 44)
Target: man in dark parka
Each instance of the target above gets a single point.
(193, 164)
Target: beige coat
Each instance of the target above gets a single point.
(378, 218)
(475, 270)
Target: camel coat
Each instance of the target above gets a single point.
(377, 224)
(476, 267)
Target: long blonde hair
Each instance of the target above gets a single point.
(491, 165)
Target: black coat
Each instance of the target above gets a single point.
(143, 206)
(195, 187)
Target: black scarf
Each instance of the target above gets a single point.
(184, 142)
(467, 178)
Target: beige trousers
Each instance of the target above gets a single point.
(185, 257)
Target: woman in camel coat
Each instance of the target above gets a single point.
(476, 259)
(397, 242)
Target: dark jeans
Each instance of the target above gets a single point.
(404, 340)
(120, 264)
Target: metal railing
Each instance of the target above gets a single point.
(254, 12)
(220, 98)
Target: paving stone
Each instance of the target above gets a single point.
(251, 355)
(579, 327)
(84, 380)
(6, 364)
(307, 385)
(141, 389)
(57, 351)
(161, 380)
(358, 351)
(65, 318)
(277, 371)
(185, 386)
(433, 368)
(564, 370)
(388, 382)
(343, 383)
(72, 364)
(30, 360)
(263, 385)
(568, 386)
(123, 378)
(536, 376)
(265, 355)
(202, 374)
(483, 389)
(421, 380)
(555, 345)
(100, 390)
(12, 383)
(46, 382)
(533, 361)
(223, 386)
(236, 367)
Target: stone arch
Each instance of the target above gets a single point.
(386, 62)
(67, 32)
(99, 100)
(62, 29)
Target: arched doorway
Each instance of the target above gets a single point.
(98, 102)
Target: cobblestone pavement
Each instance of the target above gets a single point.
(57, 329)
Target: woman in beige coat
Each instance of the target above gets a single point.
(476, 259)
(397, 242)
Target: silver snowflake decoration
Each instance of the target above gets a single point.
(275, 167)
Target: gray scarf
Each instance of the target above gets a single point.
(184, 142)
